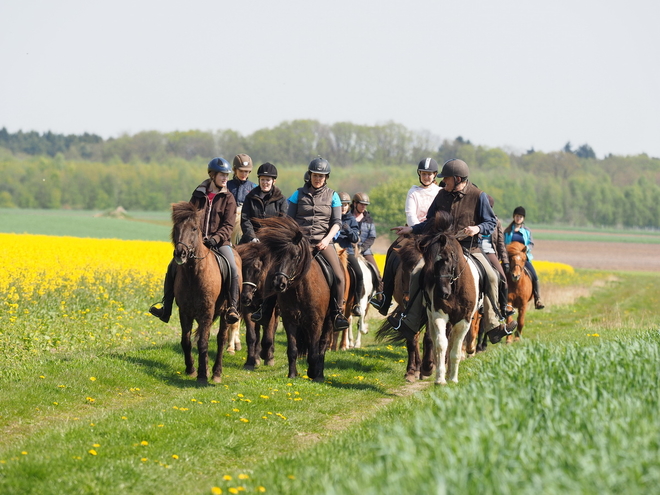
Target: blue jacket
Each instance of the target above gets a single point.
(349, 233)
(526, 238)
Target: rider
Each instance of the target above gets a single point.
(240, 186)
(473, 217)
(493, 247)
(367, 233)
(347, 237)
(418, 201)
(219, 206)
(317, 208)
(265, 200)
(518, 232)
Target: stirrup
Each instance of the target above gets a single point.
(232, 316)
(538, 304)
(356, 310)
(340, 322)
(396, 321)
(377, 300)
(257, 316)
(508, 312)
(159, 313)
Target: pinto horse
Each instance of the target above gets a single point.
(450, 283)
(520, 285)
(303, 294)
(198, 290)
(256, 264)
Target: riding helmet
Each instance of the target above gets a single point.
(454, 168)
(242, 162)
(267, 170)
(519, 211)
(219, 164)
(319, 166)
(361, 197)
(427, 165)
(344, 197)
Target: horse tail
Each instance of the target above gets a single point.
(302, 342)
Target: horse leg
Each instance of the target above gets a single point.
(251, 339)
(521, 321)
(268, 339)
(291, 348)
(186, 344)
(234, 341)
(456, 338)
(412, 369)
(222, 335)
(426, 368)
(319, 337)
(437, 325)
(203, 332)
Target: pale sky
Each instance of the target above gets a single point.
(512, 73)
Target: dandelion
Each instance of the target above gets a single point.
(89, 399)
(24, 453)
(243, 477)
(264, 396)
(160, 426)
(291, 477)
(216, 490)
(144, 459)
(236, 410)
(42, 377)
(124, 417)
(226, 477)
(244, 420)
(92, 452)
(174, 456)
(261, 489)
(144, 443)
(96, 445)
(92, 378)
(233, 490)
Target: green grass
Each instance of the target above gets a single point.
(148, 226)
(593, 234)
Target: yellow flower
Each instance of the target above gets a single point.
(233, 490)
(261, 489)
(92, 378)
(226, 477)
(92, 452)
(174, 456)
(243, 477)
(96, 445)
(144, 443)
(244, 420)
(216, 490)
(144, 459)
(24, 453)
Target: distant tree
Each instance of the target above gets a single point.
(567, 147)
(585, 151)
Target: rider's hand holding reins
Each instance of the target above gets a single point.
(402, 230)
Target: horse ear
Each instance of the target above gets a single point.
(298, 237)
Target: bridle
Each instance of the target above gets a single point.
(191, 251)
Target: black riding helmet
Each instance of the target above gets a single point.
(454, 168)
(519, 211)
(267, 170)
(319, 166)
(427, 165)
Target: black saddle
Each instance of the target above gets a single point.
(225, 269)
(328, 273)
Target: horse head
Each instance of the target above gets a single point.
(517, 258)
(256, 260)
(186, 232)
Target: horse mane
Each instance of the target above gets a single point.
(182, 211)
(434, 241)
(409, 253)
(280, 234)
(516, 248)
(250, 252)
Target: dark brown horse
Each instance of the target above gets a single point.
(520, 285)
(419, 366)
(303, 294)
(256, 265)
(197, 290)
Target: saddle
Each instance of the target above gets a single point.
(225, 270)
(327, 270)
(483, 277)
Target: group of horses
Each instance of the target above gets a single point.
(284, 266)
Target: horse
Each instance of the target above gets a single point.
(363, 304)
(520, 285)
(346, 339)
(419, 365)
(450, 285)
(256, 264)
(198, 290)
(303, 294)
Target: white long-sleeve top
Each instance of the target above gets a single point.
(418, 202)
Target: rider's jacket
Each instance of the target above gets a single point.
(219, 212)
(315, 210)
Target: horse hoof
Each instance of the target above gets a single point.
(217, 379)
(202, 383)
(270, 362)
(238, 346)
(319, 379)
(248, 367)
(410, 378)
(230, 351)
(442, 382)
(192, 373)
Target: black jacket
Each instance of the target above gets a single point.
(259, 205)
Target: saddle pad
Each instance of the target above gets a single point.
(326, 269)
(225, 269)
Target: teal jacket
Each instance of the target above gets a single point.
(527, 238)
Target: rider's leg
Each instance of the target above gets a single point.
(359, 284)
(502, 285)
(263, 314)
(232, 315)
(413, 318)
(165, 311)
(337, 299)
(370, 258)
(493, 323)
(391, 262)
(535, 286)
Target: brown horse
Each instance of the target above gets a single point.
(419, 366)
(343, 342)
(256, 264)
(303, 294)
(197, 290)
(520, 285)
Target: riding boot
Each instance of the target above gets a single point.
(232, 315)
(359, 289)
(498, 333)
(537, 297)
(264, 312)
(339, 321)
(165, 311)
(506, 308)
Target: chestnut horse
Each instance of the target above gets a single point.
(303, 294)
(520, 285)
(450, 283)
(256, 264)
(197, 290)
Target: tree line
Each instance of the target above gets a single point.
(150, 170)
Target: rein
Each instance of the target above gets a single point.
(191, 251)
